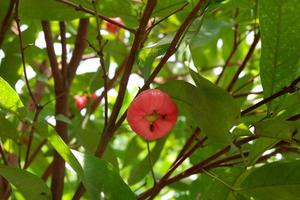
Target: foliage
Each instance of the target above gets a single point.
(231, 66)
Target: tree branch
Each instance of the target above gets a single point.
(6, 21)
(245, 61)
(289, 89)
(51, 53)
(80, 45)
(86, 10)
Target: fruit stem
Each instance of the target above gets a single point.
(150, 162)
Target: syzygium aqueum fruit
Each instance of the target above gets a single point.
(80, 101)
(93, 97)
(152, 114)
(112, 27)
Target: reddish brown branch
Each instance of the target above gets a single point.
(80, 45)
(63, 41)
(140, 36)
(6, 21)
(289, 89)
(51, 53)
(245, 61)
(234, 48)
(86, 10)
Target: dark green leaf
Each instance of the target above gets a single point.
(280, 180)
(31, 186)
(147, 56)
(140, 170)
(7, 129)
(277, 129)
(100, 176)
(280, 38)
(48, 10)
(210, 107)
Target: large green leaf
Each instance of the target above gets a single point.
(210, 107)
(48, 10)
(140, 170)
(10, 100)
(60, 146)
(31, 186)
(101, 176)
(258, 148)
(277, 129)
(147, 56)
(280, 27)
(97, 175)
(205, 184)
(280, 180)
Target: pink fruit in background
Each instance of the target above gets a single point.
(152, 114)
(112, 27)
(93, 97)
(80, 101)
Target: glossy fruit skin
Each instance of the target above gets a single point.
(80, 101)
(113, 28)
(152, 114)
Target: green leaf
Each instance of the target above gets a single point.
(165, 7)
(279, 180)
(60, 146)
(31, 186)
(279, 64)
(210, 107)
(89, 138)
(10, 100)
(63, 119)
(131, 152)
(147, 56)
(100, 176)
(140, 170)
(48, 10)
(277, 129)
(205, 184)
(258, 148)
(7, 129)
(203, 36)
(97, 175)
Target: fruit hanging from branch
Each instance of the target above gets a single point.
(152, 114)
(80, 101)
(112, 28)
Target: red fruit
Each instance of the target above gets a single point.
(152, 114)
(80, 101)
(112, 27)
(93, 97)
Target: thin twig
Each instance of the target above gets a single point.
(34, 154)
(3, 153)
(245, 61)
(21, 45)
(246, 94)
(169, 15)
(289, 89)
(6, 21)
(150, 162)
(86, 10)
(234, 47)
(102, 63)
(36, 116)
